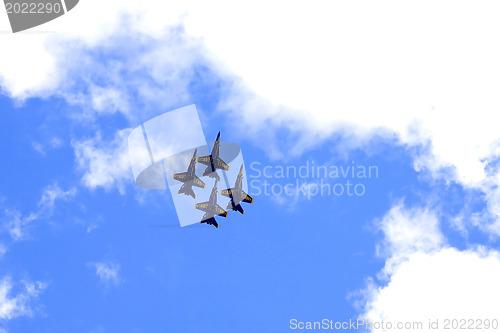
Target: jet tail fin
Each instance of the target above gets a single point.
(210, 221)
(237, 207)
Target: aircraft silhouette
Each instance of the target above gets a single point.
(189, 178)
(211, 208)
(236, 194)
(213, 161)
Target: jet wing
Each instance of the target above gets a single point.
(198, 182)
(204, 160)
(220, 211)
(246, 197)
(220, 164)
(202, 206)
(205, 217)
(181, 176)
(227, 193)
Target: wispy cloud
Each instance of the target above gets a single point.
(38, 147)
(41, 148)
(17, 223)
(13, 306)
(107, 272)
(53, 193)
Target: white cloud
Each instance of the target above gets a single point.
(20, 304)
(107, 272)
(102, 70)
(134, 78)
(17, 223)
(445, 284)
(38, 147)
(42, 147)
(55, 142)
(53, 193)
(408, 231)
(351, 68)
(24, 77)
(369, 68)
(360, 69)
(105, 164)
(107, 99)
(425, 279)
(91, 227)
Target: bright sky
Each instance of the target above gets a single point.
(406, 91)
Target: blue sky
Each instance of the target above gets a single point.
(83, 249)
(281, 260)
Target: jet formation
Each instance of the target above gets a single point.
(210, 207)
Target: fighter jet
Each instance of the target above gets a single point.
(189, 178)
(236, 194)
(211, 208)
(213, 161)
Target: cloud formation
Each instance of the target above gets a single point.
(355, 69)
(104, 164)
(16, 223)
(107, 272)
(425, 279)
(408, 231)
(20, 304)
